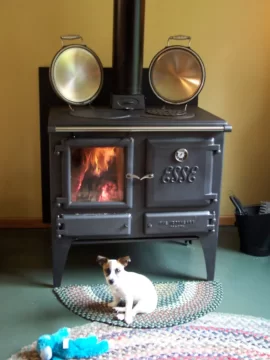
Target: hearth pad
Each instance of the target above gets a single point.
(178, 303)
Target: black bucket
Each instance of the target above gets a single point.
(254, 231)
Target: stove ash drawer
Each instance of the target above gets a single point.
(192, 222)
(94, 225)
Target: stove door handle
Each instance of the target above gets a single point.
(147, 176)
(133, 176)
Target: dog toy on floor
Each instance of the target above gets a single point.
(59, 346)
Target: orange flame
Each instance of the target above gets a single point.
(108, 192)
(98, 159)
(95, 160)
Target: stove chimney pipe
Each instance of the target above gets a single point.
(128, 38)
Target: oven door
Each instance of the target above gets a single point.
(94, 173)
(183, 170)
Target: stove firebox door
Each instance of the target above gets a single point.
(183, 172)
(94, 173)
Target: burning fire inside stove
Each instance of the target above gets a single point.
(97, 174)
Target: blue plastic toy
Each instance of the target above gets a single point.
(59, 346)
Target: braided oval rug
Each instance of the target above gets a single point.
(214, 336)
(178, 303)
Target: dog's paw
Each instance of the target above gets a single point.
(129, 319)
(120, 317)
(119, 309)
(112, 304)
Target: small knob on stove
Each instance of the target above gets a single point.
(149, 225)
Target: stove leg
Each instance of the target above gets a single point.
(209, 246)
(60, 249)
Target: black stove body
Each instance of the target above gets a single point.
(129, 173)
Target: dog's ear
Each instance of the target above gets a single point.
(124, 260)
(101, 260)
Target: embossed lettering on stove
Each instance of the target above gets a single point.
(179, 174)
(177, 223)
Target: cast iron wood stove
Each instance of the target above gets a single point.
(129, 172)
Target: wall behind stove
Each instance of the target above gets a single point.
(231, 36)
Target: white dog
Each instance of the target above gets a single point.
(136, 290)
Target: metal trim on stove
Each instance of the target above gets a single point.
(81, 225)
(186, 222)
(73, 129)
(64, 148)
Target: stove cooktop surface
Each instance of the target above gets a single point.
(100, 116)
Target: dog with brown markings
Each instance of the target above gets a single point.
(136, 290)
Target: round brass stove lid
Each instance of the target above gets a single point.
(177, 75)
(76, 74)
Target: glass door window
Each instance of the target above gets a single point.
(97, 174)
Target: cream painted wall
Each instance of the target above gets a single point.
(231, 36)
